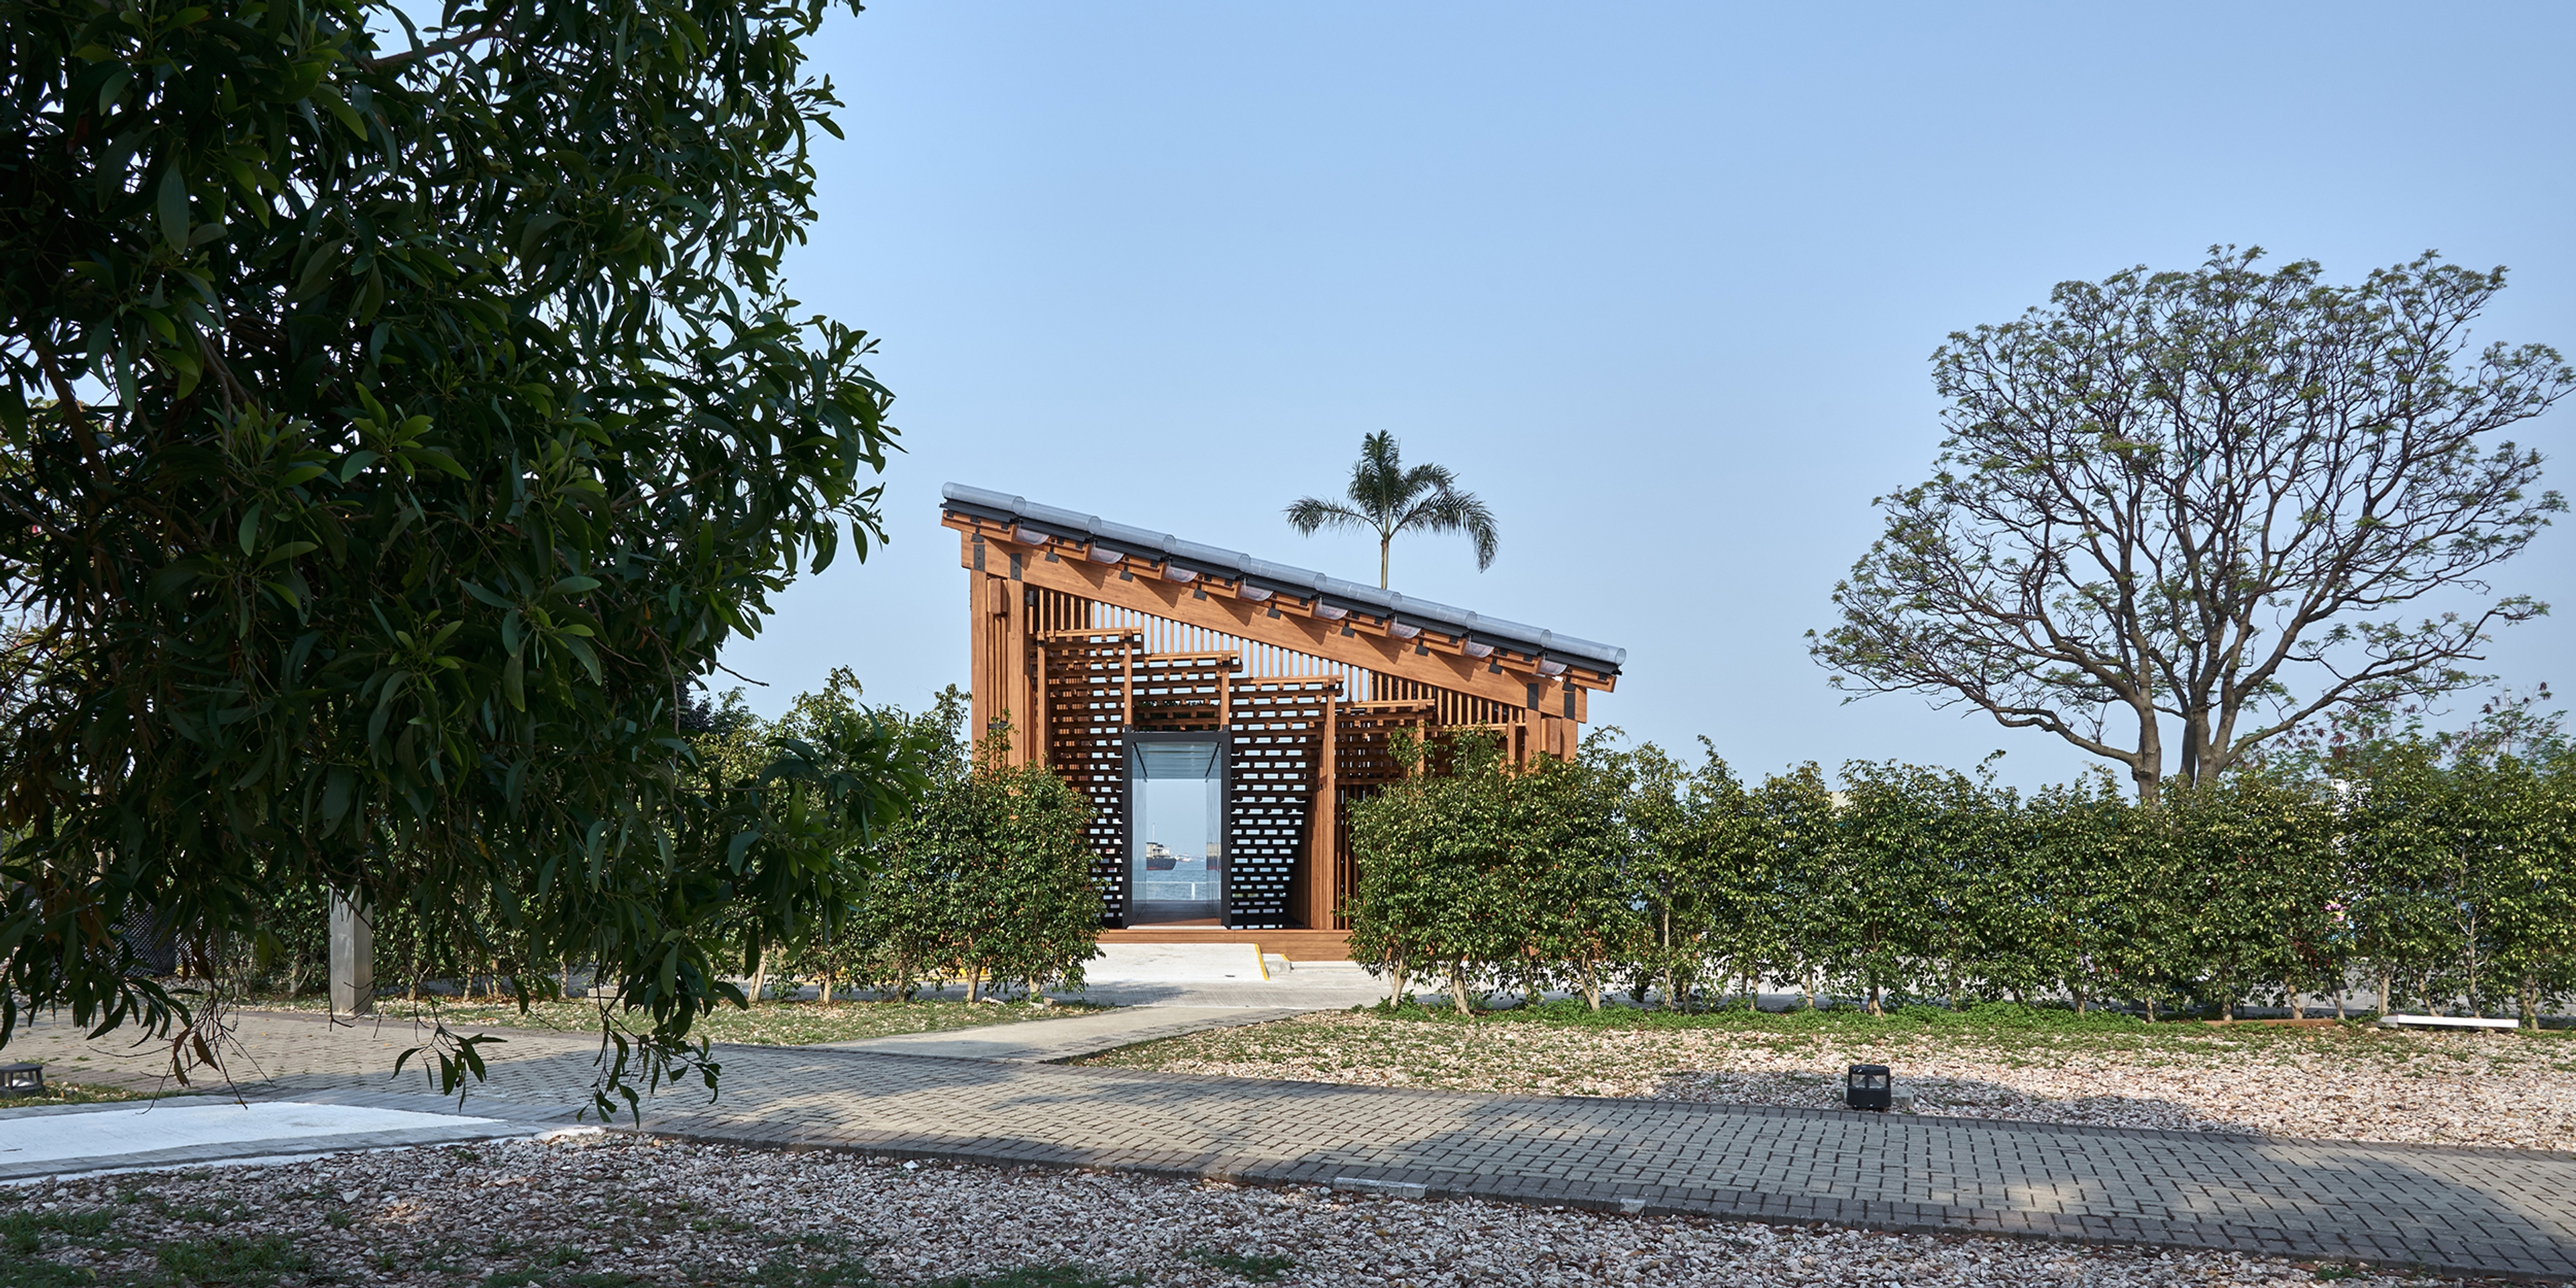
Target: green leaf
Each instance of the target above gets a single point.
(319, 264)
(114, 88)
(173, 206)
(588, 657)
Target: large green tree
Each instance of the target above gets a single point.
(2209, 504)
(397, 423)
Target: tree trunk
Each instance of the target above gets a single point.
(2148, 769)
(759, 980)
(1672, 1000)
(1592, 983)
(2387, 982)
(1873, 997)
(1807, 989)
(2151, 1008)
(1458, 985)
(2530, 1001)
(1398, 979)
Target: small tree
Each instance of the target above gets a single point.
(990, 878)
(1388, 499)
(1571, 859)
(1435, 855)
(2206, 497)
(2088, 910)
(2256, 885)
(1677, 873)
(1795, 824)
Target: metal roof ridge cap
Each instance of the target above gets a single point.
(1522, 632)
(1051, 516)
(1129, 535)
(968, 494)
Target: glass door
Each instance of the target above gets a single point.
(1176, 828)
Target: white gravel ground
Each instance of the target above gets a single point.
(2498, 1089)
(598, 1211)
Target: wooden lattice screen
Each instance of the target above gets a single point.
(1182, 692)
(1274, 764)
(1089, 678)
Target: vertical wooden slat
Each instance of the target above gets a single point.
(1320, 873)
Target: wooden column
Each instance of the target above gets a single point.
(980, 693)
(1023, 696)
(1322, 828)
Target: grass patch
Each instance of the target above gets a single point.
(224, 1261)
(23, 1233)
(42, 1274)
(1978, 1018)
(81, 1093)
(2037, 1034)
(763, 1024)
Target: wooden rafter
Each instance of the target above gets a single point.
(1282, 620)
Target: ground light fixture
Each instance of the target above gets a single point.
(1867, 1086)
(22, 1079)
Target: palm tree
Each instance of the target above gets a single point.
(1389, 498)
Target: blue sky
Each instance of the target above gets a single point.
(1659, 281)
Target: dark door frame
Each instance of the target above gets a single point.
(1221, 743)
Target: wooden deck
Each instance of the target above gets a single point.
(1295, 945)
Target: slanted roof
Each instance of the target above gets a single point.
(1116, 542)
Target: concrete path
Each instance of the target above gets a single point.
(72, 1140)
(1040, 1041)
(2478, 1211)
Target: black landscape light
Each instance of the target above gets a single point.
(22, 1079)
(1867, 1086)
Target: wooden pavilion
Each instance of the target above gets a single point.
(1107, 649)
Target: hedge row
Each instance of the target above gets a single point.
(2434, 881)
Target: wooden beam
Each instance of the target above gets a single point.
(1428, 657)
(1290, 629)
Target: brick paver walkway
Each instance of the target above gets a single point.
(2490, 1211)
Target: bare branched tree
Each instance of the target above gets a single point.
(1387, 499)
(2213, 496)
